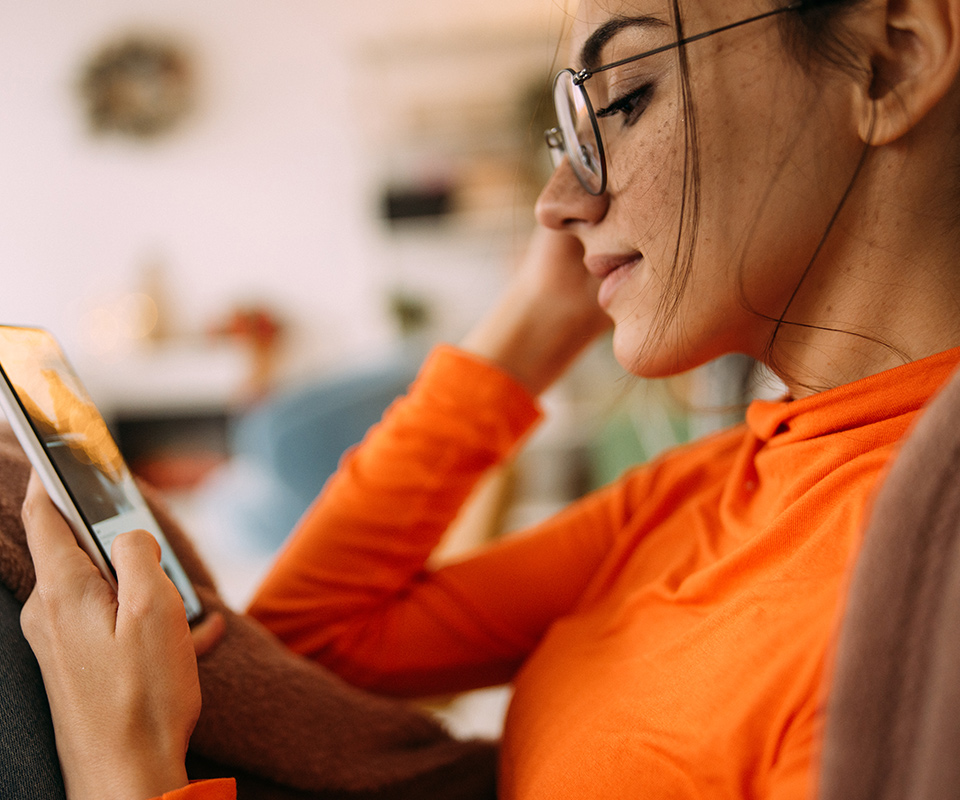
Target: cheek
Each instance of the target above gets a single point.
(646, 171)
(772, 171)
(768, 156)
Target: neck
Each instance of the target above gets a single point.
(885, 290)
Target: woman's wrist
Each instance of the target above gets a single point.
(547, 315)
(139, 764)
(534, 338)
(127, 781)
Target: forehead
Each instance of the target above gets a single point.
(592, 13)
(595, 22)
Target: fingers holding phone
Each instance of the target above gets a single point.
(119, 668)
(70, 446)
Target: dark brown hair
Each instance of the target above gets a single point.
(815, 36)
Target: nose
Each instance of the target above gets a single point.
(564, 203)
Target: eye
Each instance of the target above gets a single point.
(631, 105)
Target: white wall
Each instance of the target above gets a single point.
(248, 200)
(264, 193)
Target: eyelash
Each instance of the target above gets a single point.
(631, 105)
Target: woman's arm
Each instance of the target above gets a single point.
(120, 669)
(351, 588)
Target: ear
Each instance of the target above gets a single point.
(914, 62)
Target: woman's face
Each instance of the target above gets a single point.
(776, 151)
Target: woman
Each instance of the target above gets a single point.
(773, 179)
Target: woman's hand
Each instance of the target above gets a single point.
(547, 315)
(120, 669)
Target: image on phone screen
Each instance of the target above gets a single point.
(80, 447)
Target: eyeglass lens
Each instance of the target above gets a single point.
(576, 123)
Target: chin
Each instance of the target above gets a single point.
(648, 356)
(645, 360)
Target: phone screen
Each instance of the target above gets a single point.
(80, 447)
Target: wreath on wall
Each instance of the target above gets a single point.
(139, 86)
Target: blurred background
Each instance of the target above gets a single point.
(223, 157)
(246, 222)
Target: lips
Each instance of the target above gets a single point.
(612, 272)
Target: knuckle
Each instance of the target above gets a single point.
(30, 619)
(45, 599)
(154, 602)
(142, 605)
(29, 508)
(42, 614)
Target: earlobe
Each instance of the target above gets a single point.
(914, 66)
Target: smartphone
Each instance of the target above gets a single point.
(70, 447)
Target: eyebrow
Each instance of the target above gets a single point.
(593, 47)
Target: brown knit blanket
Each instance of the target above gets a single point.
(893, 719)
(285, 727)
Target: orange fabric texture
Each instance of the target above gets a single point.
(666, 636)
(219, 789)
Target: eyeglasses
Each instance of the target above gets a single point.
(577, 135)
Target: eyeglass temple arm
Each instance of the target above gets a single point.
(584, 74)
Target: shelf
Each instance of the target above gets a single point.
(174, 378)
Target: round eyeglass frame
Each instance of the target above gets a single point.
(570, 99)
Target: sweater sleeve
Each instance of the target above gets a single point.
(352, 588)
(219, 789)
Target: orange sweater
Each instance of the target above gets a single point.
(666, 636)
(220, 789)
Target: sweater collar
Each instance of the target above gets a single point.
(888, 394)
